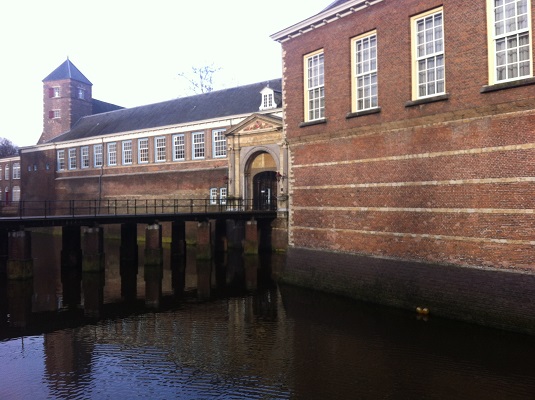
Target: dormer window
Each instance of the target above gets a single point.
(268, 99)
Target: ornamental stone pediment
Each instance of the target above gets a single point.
(257, 123)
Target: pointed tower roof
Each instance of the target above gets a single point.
(67, 70)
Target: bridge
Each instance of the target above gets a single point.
(116, 211)
(208, 223)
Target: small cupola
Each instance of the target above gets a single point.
(268, 99)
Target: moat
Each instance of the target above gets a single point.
(227, 330)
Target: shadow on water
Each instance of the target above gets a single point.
(223, 328)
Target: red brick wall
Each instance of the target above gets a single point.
(447, 182)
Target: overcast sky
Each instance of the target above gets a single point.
(132, 51)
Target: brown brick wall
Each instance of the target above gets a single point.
(444, 182)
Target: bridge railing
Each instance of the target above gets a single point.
(95, 207)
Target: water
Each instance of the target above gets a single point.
(239, 336)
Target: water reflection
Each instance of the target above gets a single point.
(221, 329)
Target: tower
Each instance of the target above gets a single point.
(67, 97)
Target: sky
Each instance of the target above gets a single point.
(133, 51)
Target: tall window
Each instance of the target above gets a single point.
(72, 158)
(16, 193)
(16, 170)
(60, 160)
(84, 154)
(213, 195)
(112, 153)
(198, 145)
(179, 148)
(127, 152)
(81, 93)
(219, 143)
(0, 173)
(223, 195)
(365, 71)
(7, 172)
(428, 54)
(510, 56)
(143, 151)
(159, 148)
(97, 156)
(314, 86)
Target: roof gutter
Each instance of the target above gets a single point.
(323, 18)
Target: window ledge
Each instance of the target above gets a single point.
(426, 100)
(315, 122)
(375, 110)
(507, 85)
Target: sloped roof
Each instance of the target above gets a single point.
(335, 4)
(222, 103)
(102, 107)
(67, 70)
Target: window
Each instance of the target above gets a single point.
(85, 157)
(159, 149)
(510, 50)
(223, 196)
(0, 173)
(72, 158)
(112, 153)
(428, 54)
(127, 152)
(6, 175)
(16, 170)
(314, 87)
(364, 53)
(61, 160)
(198, 145)
(213, 196)
(97, 156)
(16, 193)
(81, 93)
(179, 148)
(54, 114)
(143, 151)
(219, 143)
(268, 101)
(54, 92)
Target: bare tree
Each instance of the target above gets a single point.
(201, 78)
(7, 148)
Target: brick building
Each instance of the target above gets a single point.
(177, 149)
(9, 182)
(411, 129)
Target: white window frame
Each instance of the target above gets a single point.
(81, 93)
(197, 146)
(428, 54)
(160, 149)
(223, 196)
(213, 195)
(56, 114)
(143, 151)
(364, 67)
(112, 153)
(72, 158)
(1, 175)
(16, 170)
(56, 92)
(15, 193)
(84, 155)
(219, 143)
(179, 147)
(314, 73)
(60, 160)
(127, 152)
(98, 161)
(506, 27)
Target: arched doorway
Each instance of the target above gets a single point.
(265, 191)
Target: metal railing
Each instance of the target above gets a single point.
(119, 207)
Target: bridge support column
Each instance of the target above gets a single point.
(3, 252)
(279, 234)
(204, 240)
(71, 265)
(235, 234)
(93, 249)
(19, 259)
(250, 244)
(178, 239)
(153, 245)
(129, 260)
(191, 233)
(153, 271)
